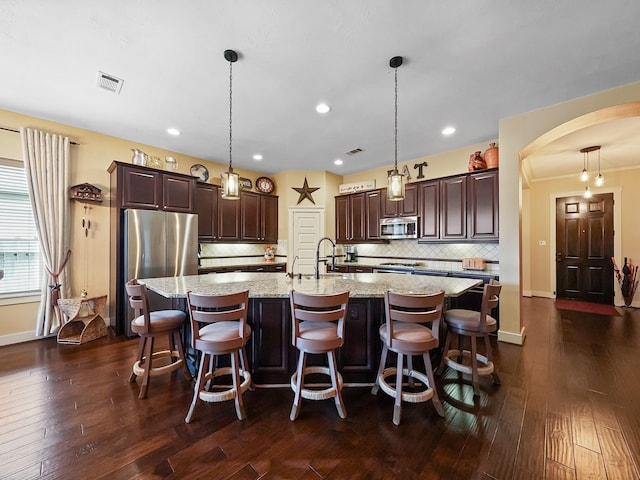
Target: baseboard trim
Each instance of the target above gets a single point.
(510, 337)
(527, 293)
(18, 338)
(535, 293)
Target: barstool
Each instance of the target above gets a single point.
(150, 325)
(473, 324)
(318, 327)
(405, 334)
(219, 327)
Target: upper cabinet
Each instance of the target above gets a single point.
(258, 217)
(460, 208)
(147, 188)
(350, 218)
(401, 208)
(207, 210)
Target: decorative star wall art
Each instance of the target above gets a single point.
(305, 191)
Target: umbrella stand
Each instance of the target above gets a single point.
(627, 279)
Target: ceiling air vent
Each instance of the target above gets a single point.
(354, 151)
(109, 82)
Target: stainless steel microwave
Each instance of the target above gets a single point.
(399, 227)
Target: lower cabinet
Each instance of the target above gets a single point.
(273, 358)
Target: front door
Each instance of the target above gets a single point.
(584, 240)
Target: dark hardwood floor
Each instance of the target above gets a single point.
(568, 407)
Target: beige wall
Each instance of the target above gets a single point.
(542, 221)
(89, 162)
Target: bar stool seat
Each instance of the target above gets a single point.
(406, 334)
(150, 325)
(219, 327)
(318, 328)
(463, 323)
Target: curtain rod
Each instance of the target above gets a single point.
(18, 131)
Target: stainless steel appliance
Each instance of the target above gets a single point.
(157, 244)
(399, 227)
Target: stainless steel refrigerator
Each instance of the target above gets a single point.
(158, 244)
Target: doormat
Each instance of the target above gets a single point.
(587, 307)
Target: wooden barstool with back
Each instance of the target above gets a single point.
(150, 325)
(219, 327)
(318, 328)
(463, 323)
(405, 332)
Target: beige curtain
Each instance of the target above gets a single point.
(46, 162)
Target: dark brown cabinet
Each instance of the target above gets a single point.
(147, 188)
(453, 210)
(429, 209)
(207, 209)
(373, 206)
(402, 208)
(482, 206)
(350, 218)
(258, 217)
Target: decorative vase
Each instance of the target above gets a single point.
(491, 156)
(476, 162)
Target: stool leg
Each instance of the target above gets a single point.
(412, 382)
(295, 409)
(447, 344)
(474, 366)
(198, 386)
(244, 363)
(235, 368)
(148, 364)
(334, 380)
(429, 371)
(487, 346)
(177, 340)
(139, 358)
(397, 408)
(383, 361)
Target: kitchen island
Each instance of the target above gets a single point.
(272, 357)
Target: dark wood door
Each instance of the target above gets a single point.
(357, 220)
(269, 213)
(429, 207)
(584, 240)
(453, 213)
(140, 188)
(250, 216)
(342, 219)
(228, 218)
(482, 206)
(397, 208)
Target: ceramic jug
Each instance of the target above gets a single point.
(139, 157)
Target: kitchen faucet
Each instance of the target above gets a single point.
(293, 264)
(333, 255)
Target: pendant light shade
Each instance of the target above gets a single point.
(395, 180)
(230, 180)
(599, 180)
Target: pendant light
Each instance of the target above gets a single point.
(599, 180)
(230, 180)
(395, 181)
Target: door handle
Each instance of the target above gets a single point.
(558, 256)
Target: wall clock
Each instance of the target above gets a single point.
(265, 185)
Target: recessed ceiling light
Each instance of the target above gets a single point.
(448, 130)
(323, 108)
(257, 156)
(338, 161)
(173, 131)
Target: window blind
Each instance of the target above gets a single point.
(19, 248)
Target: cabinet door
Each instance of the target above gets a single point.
(178, 193)
(250, 216)
(269, 212)
(358, 359)
(228, 219)
(140, 188)
(429, 201)
(342, 219)
(453, 214)
(406, 207)
(482, 205)
(372, 214)
(206, 206)
(357, 223)
(271, 349)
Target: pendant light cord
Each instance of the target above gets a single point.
(230, 112)
(395, 131)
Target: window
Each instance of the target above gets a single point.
(19, 248)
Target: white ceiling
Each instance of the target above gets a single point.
(467, 64)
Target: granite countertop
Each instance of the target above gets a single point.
(377, 263)
(275, 285)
